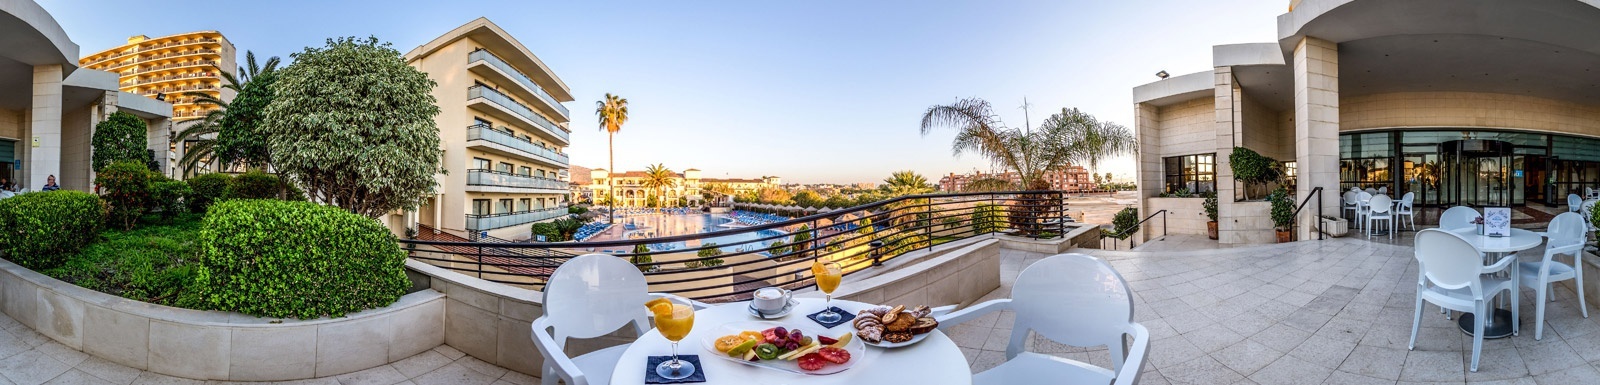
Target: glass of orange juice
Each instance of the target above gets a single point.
(674, 317)
(828, 275)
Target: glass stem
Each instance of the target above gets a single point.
(675, 363)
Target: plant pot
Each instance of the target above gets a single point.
(1336, 227)
(1285, 236)
(1211, 229)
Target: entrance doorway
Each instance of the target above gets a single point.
(1478, 172)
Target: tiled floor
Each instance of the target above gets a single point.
(1317, 312)
(1336, 311)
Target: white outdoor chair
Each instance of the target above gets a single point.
(1574, 203)
(1370, 191)
(1458, 217)
(590, 296)
(1352, 204)
(1073, 299)
(1404, 208)
(1590, 193)
(1566, 236)
(1383, 190)
(1381, 208)
(1451, 274)
(1363, 207)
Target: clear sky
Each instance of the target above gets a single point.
(813, 91)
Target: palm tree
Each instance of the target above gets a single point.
(204, 130)
(980, 131)
(907, 182)
(1094, 140)
(613, 113)
(659, 177)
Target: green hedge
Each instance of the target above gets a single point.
(167, 195)
(205, 189)
(284, 259)
(127, 190)
(253, 185)
(41, 230)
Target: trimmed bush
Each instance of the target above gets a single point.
(41, 230)
(253, 185)
(282, 259)
(548, 230)
(127, 189)
(205, 189)
(167, 195)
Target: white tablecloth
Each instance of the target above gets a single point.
(935, 360)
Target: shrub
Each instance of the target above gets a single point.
(253, 185)
(708, 257)
(577, 210)
(985, 218)
(281, 259)
(121, 137)
(167, 196)
(1282, 209)
(152, 263)
(127, 189)
(1252, 168)
(40, 230)
(637, 260)
(1122, 224)
(1210, 206)
(205, 189)
(548, 230)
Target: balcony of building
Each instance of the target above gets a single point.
(489, 66)
(482, 137)
(504, 182)
(499, 105)
(483, 222)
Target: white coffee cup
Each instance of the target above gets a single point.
(770, 299)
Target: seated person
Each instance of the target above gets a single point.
(50, 184)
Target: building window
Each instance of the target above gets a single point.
(541, 173)
(525, 171)
(482, 122)
(1290, 170)
(524, 204)
(480, 164)
(504, 207)
(480, 207)
(1193, 173)
(504, 167)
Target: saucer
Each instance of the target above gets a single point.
(779, 314)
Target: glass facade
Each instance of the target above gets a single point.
(1193, 173)
(1470, 167)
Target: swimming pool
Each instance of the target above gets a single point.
(656, 226)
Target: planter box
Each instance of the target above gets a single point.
(1336, 227)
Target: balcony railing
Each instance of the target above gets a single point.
(477, 223)
(504, 179)
(495, 61)
(171, 65)
(171, 77)
(486, 133)
(858, 238)
(505, 101)
(180, 88)
(176, 54)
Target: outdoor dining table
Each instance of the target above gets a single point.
(1493, 248)
(934, 360)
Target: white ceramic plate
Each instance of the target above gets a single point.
(915, 338)
(857, 350)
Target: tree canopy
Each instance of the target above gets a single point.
(355, 124)
(119, 138)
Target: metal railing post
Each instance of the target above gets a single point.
(1321, 225)
(927, 228)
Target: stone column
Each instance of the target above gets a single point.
(1147, 175)
(1229, 230)
(44, 126)
(1316, 126)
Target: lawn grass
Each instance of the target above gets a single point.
(155, 262)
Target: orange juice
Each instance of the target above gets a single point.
(675, 324)
(828, 278)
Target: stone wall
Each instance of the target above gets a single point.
(1251, 224)
(1467, 109)
(211, 345)
(1184, 216)
(1187, 128)
(960, 277)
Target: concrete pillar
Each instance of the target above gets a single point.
(44, 126)
(1147, 173)
(1229, 228)
(1316, 126)
(158, 136)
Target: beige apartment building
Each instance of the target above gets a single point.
(504, 133)
(166, 68)
(632, 190)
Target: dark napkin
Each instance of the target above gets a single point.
(651, 362)
(845, 317)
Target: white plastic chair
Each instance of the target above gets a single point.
(1073, 299)
(1352, 204)
(1405, 208)
(589, 296)
(1566, 234)
(1574, 203)
(1383, 190)
(1370, 191)
(1458, 217)
(1363, 207)
(1451, 274)
(1380, 209)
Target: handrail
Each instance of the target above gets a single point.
(1316, 192)
(857, 238)
(1139, 225)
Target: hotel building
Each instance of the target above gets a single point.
(49, 104)
(688, 185)
(1478, 103)
(1065, 178)
(171, 66)
(504, 133)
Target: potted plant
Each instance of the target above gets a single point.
(1252, 168)
(1282, 214)
(1210, 206)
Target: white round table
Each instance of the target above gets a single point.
(935, 360)
(1499, 325)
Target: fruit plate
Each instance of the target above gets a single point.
(855, 347)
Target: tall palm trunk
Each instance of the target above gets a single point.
(611, 183)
